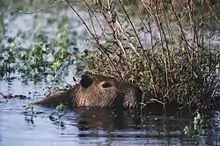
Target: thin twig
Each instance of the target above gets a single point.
(101, 48)
(153, 99)
(120, 1)
(91, 12)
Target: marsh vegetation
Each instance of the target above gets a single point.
(169, 48)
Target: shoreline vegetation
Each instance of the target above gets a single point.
(166, 47)
(178, 64)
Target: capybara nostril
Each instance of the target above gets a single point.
(96, 91)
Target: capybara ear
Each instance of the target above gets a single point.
(86, 81)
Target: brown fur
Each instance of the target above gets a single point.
(96, 91)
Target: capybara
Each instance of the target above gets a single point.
(96, 91)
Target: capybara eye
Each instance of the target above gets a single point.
(86, 81)
(106, 85)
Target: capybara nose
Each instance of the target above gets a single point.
(96, 91)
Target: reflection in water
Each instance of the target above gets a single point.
(92, 126)
(85, 126)
(149, 129)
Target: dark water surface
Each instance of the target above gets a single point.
(91, 126)
(84, 126)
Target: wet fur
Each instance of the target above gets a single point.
(95, 91)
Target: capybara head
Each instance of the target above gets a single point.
(97, 91)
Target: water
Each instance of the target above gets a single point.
(86, 126)
(91, 126)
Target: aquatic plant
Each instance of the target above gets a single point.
(44, 57)
(164, 50)
(194, 128)
(56, 116)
